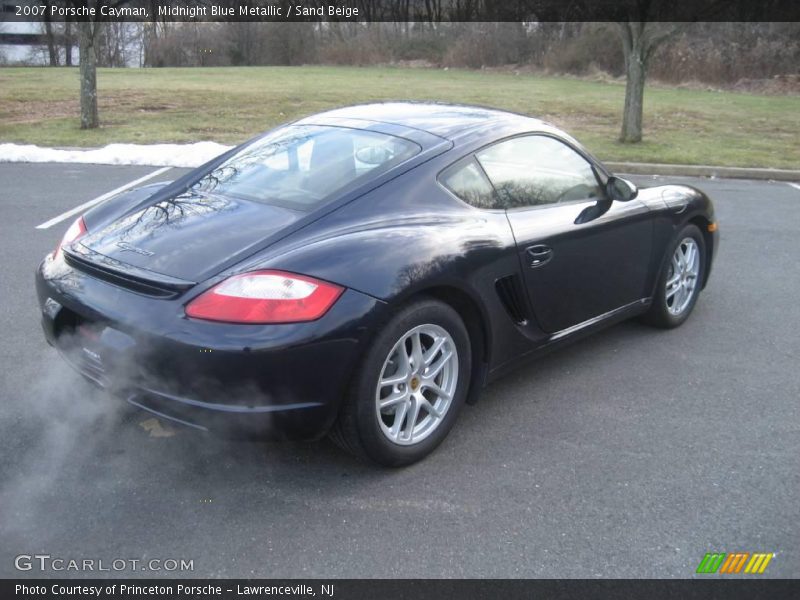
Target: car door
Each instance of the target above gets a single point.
(581, 254)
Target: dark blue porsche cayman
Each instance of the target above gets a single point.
(364, 272)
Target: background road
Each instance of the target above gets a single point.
(629, 454)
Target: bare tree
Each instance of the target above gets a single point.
(639, 41)
(87, 31)
(50, 36)
(118, 44)
(68, 43)
(88, 34)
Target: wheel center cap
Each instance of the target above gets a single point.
(414, 383)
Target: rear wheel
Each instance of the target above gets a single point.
(410, 386)
(680, 280)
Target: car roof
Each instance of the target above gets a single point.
(443, 120)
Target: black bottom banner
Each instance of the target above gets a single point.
(387, 589)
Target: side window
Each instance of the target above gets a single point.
(535, 170)
(467, 181)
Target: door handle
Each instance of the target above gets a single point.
(539, 255)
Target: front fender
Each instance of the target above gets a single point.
(683, 204)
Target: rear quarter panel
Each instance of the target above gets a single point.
(407, 238)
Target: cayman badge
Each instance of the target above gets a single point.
(126, 247)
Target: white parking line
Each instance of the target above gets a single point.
(794, 185)
(99, 199)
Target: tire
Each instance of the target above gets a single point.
(674, 302)
(386, 436)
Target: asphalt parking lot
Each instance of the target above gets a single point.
(629, 454)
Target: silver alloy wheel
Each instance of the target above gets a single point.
(417, 384)
(682, 277)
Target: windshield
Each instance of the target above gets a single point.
(299, 166)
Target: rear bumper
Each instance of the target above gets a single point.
(307, 420)
(276, 381)
(297, 420)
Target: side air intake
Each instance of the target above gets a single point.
(512, 297)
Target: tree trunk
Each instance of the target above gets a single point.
(639, 41)
(636, 72)
(68, 43)
(88, 73)
(52, 51)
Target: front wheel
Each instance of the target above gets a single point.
(410, 387)
(680, 280)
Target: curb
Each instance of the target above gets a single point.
(704, 171)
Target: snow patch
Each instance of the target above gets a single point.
(156, 155)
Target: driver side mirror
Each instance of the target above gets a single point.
(621, 189)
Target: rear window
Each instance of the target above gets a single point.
(299, 166)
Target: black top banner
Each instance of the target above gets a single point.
(425, 11)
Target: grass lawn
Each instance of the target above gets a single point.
(40, 106)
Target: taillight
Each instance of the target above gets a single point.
(265, 297)
(75, 231)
